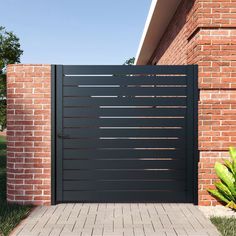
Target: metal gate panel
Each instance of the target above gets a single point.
(124, 133)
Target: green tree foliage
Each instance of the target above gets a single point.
(130, 61)
(10, 53)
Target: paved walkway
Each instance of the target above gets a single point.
(116, 220)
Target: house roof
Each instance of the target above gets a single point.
(159, 17)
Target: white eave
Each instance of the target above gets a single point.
(159, 17)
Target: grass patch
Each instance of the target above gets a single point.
(3, 145)
(226, 226)
(10, 215)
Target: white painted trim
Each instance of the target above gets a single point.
(159, 17)
(145, 30)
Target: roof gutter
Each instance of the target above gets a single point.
(160, 14)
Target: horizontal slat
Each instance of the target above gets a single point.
(139, 133)
(121, 91)
(121, 101)
(124, 185)
(129, 122)
(123, 174)
(121, 70)
(125, 196)
(122, 143)
(122, 164)
(90, 154)
(124, 80)
(85, 112)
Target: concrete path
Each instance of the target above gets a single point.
(116, 220)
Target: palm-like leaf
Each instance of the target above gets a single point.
(234, 168)
(218, 195)
(232, 152)
(222, 188)
(226, 189)
(226, 177)
(229, 165)
(232, 205)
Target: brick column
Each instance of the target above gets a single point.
(29, 134)
(203, 32)
(212, 45)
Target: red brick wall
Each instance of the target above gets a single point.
(172, 48)
(217, 107)
(28, 134)
(203, 32)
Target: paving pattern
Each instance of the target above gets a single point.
(116, 220)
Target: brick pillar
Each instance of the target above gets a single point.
(29, 134)
(203, 32)
(212, 45)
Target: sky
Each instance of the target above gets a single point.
(80, 32)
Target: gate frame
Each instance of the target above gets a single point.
(191, 130)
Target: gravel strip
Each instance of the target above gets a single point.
(220, 211)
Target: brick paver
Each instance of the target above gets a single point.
(116, 220)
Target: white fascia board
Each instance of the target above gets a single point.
(160, 14)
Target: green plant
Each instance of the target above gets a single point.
(226, 188)
(226, 226)
(130, 61)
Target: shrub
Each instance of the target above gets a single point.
(226, 188)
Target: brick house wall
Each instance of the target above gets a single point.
(29, 134)
(203, 32)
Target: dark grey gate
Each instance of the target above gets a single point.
(125, 133)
